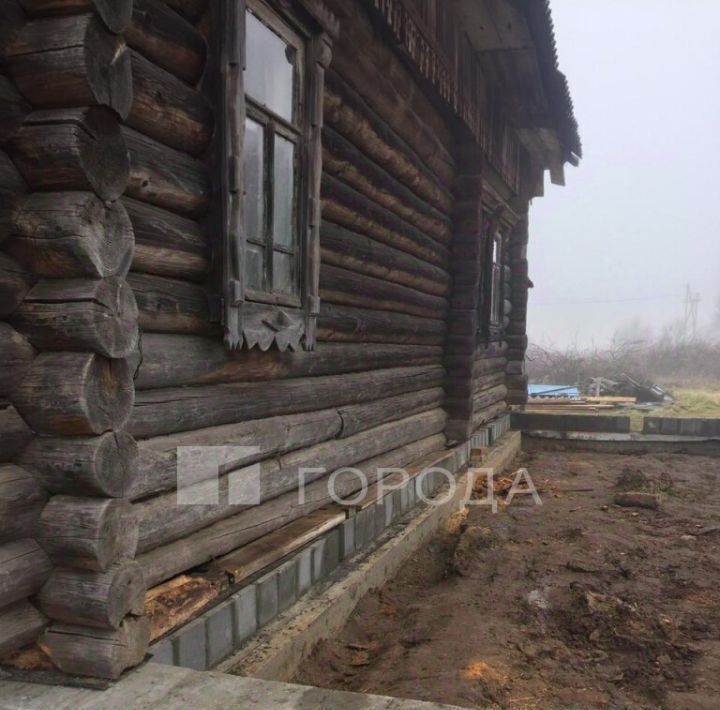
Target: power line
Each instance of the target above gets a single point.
(674, 297)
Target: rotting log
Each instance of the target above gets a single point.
(355, 251)
(346, 206)
(13, 109)
(167, 244)
(15, 282)
(167, 109)
(88, 533)
(104, 465)
(21, 500)
(171, 306)
(20, 625)
(71, 61)
(100, 653)
(349, 324)
(70, 394)
(115, 14)
(100, 599)
(338, 285)
(172, 410)
(16, 355)
(14, 432)
(346, 162)
(162, 520)
(71, 234)
(166, 177)
(174, 360)
(24, 567)
(259, 439)
(80, 314)
(72, 149)
(167, 39)
(229, 534)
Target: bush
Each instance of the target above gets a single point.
(666, 360)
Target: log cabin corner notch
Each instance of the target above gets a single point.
(271, 64)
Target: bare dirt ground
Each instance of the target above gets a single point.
(578, 603)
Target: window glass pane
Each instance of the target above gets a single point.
(283, 277)
(284, 192)
(255, 266)
(496, 305)
(254, 180)
(270, 68)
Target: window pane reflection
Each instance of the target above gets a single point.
(283, 273)
(270, 68)
(284, 192)
(254, 180)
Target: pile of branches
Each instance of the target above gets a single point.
(667, 360)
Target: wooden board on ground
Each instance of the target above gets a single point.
(265, 551)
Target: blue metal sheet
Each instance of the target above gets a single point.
(553, 391)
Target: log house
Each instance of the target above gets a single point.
(299, 226)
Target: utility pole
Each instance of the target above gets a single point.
(692, 302)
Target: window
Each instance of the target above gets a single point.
(491, 302)
(496, 280)
(273, 138)
(272, 65)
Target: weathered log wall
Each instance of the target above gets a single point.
(24, 565)
(372, 388)
(112, 353)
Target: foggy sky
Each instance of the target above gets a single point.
(640, 217)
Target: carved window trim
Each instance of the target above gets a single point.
(249, 323)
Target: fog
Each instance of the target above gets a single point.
(640, 218)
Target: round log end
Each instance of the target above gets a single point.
(88, 533)
(100, 599)
(71, 394)
(73, 149)
(81, 314)
(83, 651)
(103, 465)
(71, 234)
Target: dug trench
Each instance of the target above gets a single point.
(579, 602)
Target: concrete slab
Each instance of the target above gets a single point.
(169, 688)
(633, 443)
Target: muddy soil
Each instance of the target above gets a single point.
(578, 603)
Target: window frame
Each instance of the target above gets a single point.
(492, 276)
(495, 285)
(253, 317)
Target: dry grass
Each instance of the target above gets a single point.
(690, 402)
